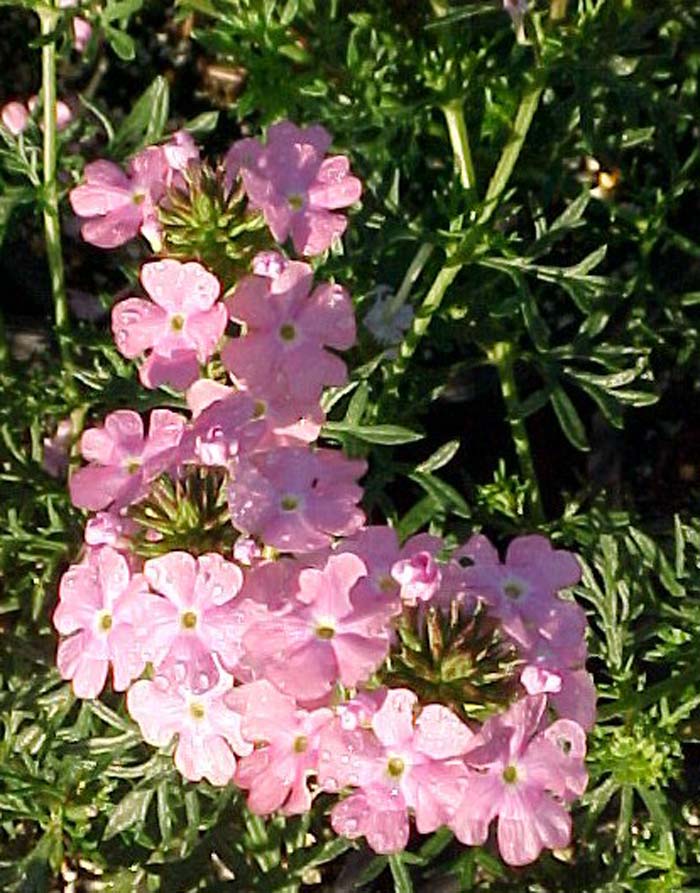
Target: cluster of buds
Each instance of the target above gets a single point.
(231, 585)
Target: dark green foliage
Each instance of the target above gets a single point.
(593, 284)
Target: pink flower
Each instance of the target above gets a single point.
(119, 205)
(180, 327)
(122, 460)
(224, 426)
(287, 330)
(418, 576)
(378, 547)
(296, 499)
(521, 774)
(208, 730)
(64, 114)
(554, 652)
(402, 763)
(269, 263)
(82, 30)
(110, 529)
(195, 620)
(526, 584)
(294, 186)
(57, 448)
(287, 740)
(321, 637)
(15, 117)
(101, 609)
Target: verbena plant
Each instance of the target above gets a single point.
(522, 268)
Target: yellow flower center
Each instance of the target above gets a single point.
(510, 775)
(188, 620)
(395, 767)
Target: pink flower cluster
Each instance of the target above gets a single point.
(263, 666)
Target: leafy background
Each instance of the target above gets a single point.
(586, 299)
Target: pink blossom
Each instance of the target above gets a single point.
(122, 460)
(110, 529)
(296, 499)
(225, 424)
(57, 449)
(287, 739)
(518, 590)
(82, 29)
(418, 576)
(15, 117)
(296, 188)
(520, 774)
(64, 114)
(287, 330)
(321, 637)
(402, 763)
(551, 642)
(269, 263)
(208, 730)
(120, 205)
(378, 547)
(101, 609)
(180, 326)
(196, 619)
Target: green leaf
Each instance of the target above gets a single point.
(146, 121)
(130, 811)
(121, 43)
(400, 874)
(204, 123)
(384, 435)
(443, 493)
(569, 419)
(440, 457)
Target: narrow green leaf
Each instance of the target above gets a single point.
(384, 435)
(444, 494)
(400, 874)
(569, 419)
(146, 121)
(130, 811)
(440, 457)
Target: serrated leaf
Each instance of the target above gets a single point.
(129, 811)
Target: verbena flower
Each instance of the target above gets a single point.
(194, 621)
(521, 773)
(282, 355)
(296, 499)
(180, 327)
(121, 205)
(208, 730)
(320, 637)
(286, 754)
(298, 190)
(101, 609)
(123, 460)
(401, 763)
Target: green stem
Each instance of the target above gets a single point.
(502, 355)
(52, 227)
(449, 271)
(415, 268)
(509, 156)
(440, 7)
(557, 10)
(459, 138)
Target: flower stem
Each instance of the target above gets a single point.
(509, 156)
(502, 355)
(459, 138)
(557, 10)
(52, 226)
(449, 271)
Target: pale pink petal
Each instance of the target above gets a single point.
(440, 734)
(393, 722)
(137, 325)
